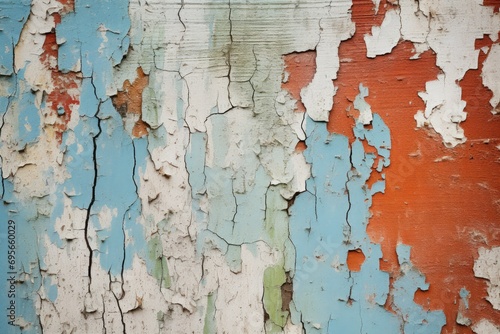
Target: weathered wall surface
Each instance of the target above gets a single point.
(248, 167)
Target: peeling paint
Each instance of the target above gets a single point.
(169, 166)
(491, 76)
(487, 266)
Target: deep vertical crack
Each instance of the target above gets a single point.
(235, 207)
(349, 175)
(103, 313)
(93, 196)
(179, 15)
(117, 303)
(228, 56)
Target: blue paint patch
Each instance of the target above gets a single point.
(136, 242)
(465, 295)
(50, 289)
(327, 221)
(13, 16)
(29, 121)
(18, 100)
(119, 158)
(98, 47)
(79, 150)
(115, 187)
(26, 261)
(416, 319)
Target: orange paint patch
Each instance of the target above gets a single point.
(129, 100)
(355, 259)
(300, 67)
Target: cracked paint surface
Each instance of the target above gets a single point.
(243, 166)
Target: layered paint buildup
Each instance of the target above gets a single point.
(249, 167)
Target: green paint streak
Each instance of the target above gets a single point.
(210, 326)
(160, 268)
(277, 233)
(274, 278)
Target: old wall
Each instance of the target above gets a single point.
(247, 167)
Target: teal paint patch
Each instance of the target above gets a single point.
(327, 221)
(465, 295)
(13, 16)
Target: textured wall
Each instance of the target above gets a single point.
(247, 167)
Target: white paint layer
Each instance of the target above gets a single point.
(488, 266)
(445, 26)
(491, 76)
(384, 38)
(485, 327)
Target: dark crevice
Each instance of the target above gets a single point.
(103, 313)
(235, 207)
(286, 292)
(179, 15)
(93, 196)
(117, 304)
(348, 176)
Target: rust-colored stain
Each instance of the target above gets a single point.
(443, 202)
(129, 100)
(65, 92)
(355, 259)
